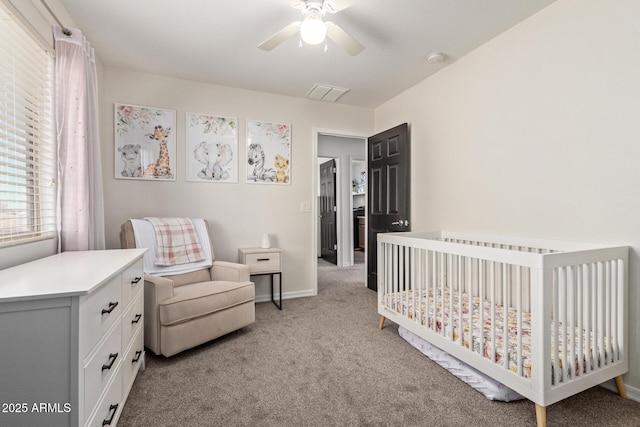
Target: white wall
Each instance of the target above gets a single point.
(536, 133)
(238, 213)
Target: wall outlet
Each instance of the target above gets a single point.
(305, 206)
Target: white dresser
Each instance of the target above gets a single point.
(71, 337)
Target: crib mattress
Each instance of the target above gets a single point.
(490, 388)
(440, 321)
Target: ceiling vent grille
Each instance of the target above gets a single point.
(328, 93)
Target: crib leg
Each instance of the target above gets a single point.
(381, 323)
(620, 386)
(541, 415)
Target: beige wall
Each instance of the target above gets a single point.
(238, 213)
(536, 134)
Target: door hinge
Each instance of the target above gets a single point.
(335, 209)
(335, 247)
(334, 170)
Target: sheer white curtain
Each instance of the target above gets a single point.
(80, 195)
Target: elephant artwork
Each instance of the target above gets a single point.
(216, 158)
(212, 148)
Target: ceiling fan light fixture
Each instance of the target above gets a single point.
(313, 31)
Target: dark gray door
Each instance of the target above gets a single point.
(388, 154)
(328, 231)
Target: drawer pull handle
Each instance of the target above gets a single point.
(136, 280)
(114, 408)
(112, 305)
(113, 357)
(136, 319)
(138, 354)
(263, 259)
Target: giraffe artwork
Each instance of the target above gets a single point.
(150, 132)
(161, 168)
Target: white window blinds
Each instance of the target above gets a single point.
(27, 149)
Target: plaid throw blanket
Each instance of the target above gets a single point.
(177, 241)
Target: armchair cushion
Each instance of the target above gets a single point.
(200, 299)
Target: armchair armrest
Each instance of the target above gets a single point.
(230, 271)
(156, 290)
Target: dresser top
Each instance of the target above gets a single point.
(66, 274)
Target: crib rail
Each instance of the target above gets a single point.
(539, 316)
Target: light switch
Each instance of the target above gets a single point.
(305, 206)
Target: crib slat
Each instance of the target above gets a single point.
(608, 284)
(594, 316)
(461, 281)
(449, 286)
(519, 319)
(555, 328)
(434, 295)
(482, 296)
(601, 330)
(506, 286)
(562, 301)
(580, 309)
(492, 284)
(470, 293)
(614, 307)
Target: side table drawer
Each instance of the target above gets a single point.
(263, 262)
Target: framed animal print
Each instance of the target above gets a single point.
(212, 148)
(268, 153)
(145, 143)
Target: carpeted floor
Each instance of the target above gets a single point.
(322, 362)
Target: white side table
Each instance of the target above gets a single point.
(264, 262)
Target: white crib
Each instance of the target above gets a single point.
(565, 306)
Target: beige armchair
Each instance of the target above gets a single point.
(185, 310)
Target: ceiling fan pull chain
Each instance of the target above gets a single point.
(326, 45)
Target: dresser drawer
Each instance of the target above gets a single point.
(98, 311)
(263, 262)
(101, 366)
(132, 319)
(110, 407)
(132, 360)
(132, 282)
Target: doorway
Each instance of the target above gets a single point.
(348, 151)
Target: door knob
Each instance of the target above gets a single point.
(402, 223)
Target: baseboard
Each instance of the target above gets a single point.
(633, 393)
(285, 295)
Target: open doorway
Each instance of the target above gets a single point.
(348, 151)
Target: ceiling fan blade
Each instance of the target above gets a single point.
(338, 5)
(280, 36)
(342, 39)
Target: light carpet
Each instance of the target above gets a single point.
(323, 362)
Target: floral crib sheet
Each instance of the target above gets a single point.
(403, 302)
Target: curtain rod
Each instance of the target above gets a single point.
(65, 30)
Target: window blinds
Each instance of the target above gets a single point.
(27, 148)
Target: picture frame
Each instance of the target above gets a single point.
(268, 155)
(145, 143)
(212, 148)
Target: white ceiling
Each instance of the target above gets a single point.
(215, 41)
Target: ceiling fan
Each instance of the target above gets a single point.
(313, 30)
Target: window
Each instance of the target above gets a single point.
(27, 148)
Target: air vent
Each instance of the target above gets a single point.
(326, 92)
